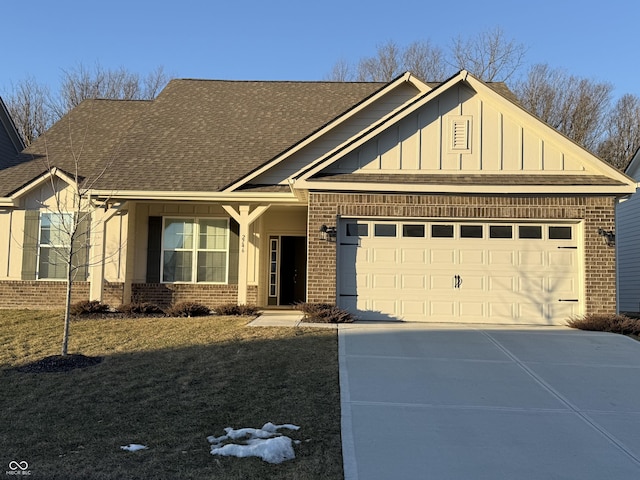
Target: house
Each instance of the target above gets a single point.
(10, 141)
(405, 200)
(628, 244)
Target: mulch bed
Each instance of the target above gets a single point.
(59, 363)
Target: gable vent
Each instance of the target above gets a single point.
(461, 134)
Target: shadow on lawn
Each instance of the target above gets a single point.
(71, 424)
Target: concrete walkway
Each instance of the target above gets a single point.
(425, 401)
(285, 318)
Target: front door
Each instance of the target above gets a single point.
(293, 270)
(288, 270)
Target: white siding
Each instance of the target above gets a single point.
(280, 173)
(628, 246)
(498, 142)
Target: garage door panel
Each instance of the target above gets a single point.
(472, 257)
(442, 257)
(383, 255)
(502, 284)
(443, 283)
(418, 282)
(531, 259)
(562, 257)
(443, 309)
(384, 281)
(449, 278)
(472, 284)
(472, 309)
(414, 256)
(500, 258)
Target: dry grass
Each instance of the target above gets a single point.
(167, 383)
(606, 323)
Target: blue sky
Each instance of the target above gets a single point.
(299, 40)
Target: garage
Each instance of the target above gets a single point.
(454, 271)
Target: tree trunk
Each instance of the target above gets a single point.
(67, 310)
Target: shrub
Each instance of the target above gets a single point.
(87, 307)
(140, 308)
(602, 322)
(233, 309)
(188, 309)
(324, 313)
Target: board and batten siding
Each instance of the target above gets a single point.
(628, 246)
(428, 140)
(280, 174)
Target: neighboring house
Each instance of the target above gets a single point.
(10, 141)
(442, 202)
(628, 245)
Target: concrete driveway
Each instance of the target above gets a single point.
(468, 403)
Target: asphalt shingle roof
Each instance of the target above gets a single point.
(198, 135)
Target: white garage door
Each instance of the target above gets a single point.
(520, 273)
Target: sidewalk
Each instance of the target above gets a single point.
(285, 318)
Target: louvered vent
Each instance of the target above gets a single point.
(460, 134)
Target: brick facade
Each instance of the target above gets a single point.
(597, 213)
(51, 294)
(164, 294)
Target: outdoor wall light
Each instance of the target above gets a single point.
(328, 233)
(610, 237)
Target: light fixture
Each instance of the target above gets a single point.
(610, 237)
(328, 233)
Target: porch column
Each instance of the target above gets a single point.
(99, 218)
(96, 254)
(244, 219)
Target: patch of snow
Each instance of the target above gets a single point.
(266, 443)
(134, 447)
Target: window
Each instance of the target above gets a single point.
(195, 250)
(471, 231)
(413, 231)
(500, 231)
(54, 245)
(442, 231)
(357, 230)
(559, 233)
(384, 230)
(530, 231)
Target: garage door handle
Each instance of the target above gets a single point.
(457, 281)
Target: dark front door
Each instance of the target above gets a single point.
(293, 270)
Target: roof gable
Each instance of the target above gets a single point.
(462, 133)
(10, 141)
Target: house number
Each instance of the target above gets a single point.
(242, 243)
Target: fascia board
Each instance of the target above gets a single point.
(571, 146)
(36, 182)
(143, 195)
(380, 126)
(466, 189)
(407, 77)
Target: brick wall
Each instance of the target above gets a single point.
(48, 294)
(597, 212)
(42, 294)
(165, 294)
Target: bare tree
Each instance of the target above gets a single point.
(574, 106)
(426, 61)
(489, 56)
(622, 132)
(383, 67)
(82, 83)
(28, 103)
(34, 108)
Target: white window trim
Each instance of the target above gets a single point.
(48, 246)
(195, 249)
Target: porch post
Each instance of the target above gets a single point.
(244, 219)
(96, 254)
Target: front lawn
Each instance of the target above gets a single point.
(167, 383)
